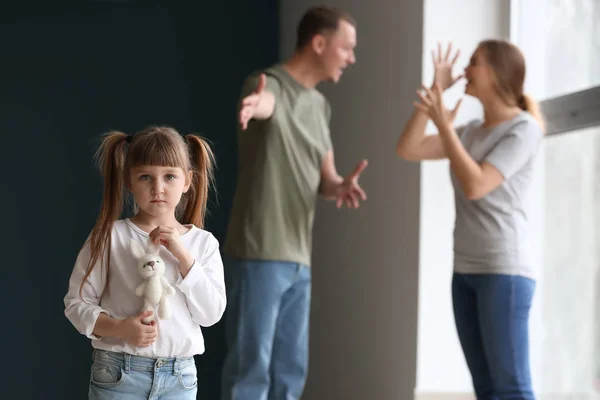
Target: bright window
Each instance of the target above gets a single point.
(562, 48)
(564, 35)
(571, 258)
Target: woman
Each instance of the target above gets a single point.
(491, 165)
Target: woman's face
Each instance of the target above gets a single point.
(479, 75)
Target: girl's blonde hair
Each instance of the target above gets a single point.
(161, 146)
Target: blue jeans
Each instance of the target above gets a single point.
(492, 319)
(267, 330)
(126, 377)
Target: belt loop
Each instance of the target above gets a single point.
(176, 366)
(127, 358)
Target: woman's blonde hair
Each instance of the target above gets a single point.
(508, 63)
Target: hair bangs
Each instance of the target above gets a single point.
(159, 148)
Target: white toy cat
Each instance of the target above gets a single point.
(155, 287)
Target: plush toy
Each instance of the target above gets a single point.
(155, 288)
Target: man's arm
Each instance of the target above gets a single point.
(260, 104)
(343, 190)
(331, 181)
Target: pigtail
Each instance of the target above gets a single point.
(527, 103)
(111, 160)
(203, 162)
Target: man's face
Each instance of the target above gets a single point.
(338, 51)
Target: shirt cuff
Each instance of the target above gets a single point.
(89, 330)
(186, 284)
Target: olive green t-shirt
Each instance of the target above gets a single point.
(279, 173)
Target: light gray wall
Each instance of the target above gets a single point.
(365, 268)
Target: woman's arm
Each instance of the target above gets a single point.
(414, 144)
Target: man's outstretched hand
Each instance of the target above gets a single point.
(250, 102)
(350, 193)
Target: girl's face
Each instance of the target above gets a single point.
(157, 190)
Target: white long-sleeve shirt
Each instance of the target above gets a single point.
(199, 299)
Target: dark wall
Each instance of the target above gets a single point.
(68, 74)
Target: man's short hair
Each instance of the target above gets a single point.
(319, 20)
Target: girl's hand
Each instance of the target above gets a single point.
(169, 237)
(133, 331)
(433, 105)
(443, 68)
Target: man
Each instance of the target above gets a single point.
(286, 160)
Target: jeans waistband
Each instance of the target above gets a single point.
(136, 363)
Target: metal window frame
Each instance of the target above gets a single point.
(572, 112)
(568, 113)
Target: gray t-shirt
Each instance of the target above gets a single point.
(490, 234)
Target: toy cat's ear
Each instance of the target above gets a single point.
(153, 248)
(137, 249)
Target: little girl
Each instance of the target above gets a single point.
(168, 177)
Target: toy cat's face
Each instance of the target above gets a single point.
(149, 262)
